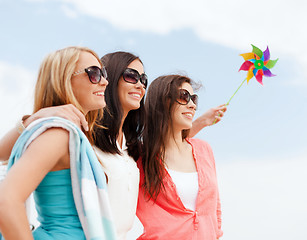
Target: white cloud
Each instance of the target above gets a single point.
(16, 94)
(235, 24)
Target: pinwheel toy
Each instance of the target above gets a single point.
(257, 64)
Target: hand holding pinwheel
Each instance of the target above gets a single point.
(257, 64)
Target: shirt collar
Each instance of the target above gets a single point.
(124, 145)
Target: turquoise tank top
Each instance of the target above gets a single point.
(56, 208)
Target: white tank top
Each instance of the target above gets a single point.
(187, 187)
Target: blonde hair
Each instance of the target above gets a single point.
(53, 86)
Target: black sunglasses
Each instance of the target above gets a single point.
(132, 76)
(94, 73)
(184, 97)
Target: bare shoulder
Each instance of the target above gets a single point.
(55, 136)
(51, 145)
(45, 153)
(55, 133)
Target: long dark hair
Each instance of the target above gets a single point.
(160, 99)
(105, 138)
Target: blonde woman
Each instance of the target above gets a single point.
(56, 156)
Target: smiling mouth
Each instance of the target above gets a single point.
(99, 93)
(188, 115)
(136, 95)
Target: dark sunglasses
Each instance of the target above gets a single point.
(184, 97)
(132, 76)
(94, 73)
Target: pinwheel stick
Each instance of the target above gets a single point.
(232, 97)
(235, 92)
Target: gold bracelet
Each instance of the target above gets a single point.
(19, 126)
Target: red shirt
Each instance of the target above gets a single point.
(168, 219)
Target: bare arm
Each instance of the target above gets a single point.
(45, 153)
(207, 119)
(68, 112)
(7, 143)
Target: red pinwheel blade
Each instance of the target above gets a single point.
(246, 66)
(259, 76)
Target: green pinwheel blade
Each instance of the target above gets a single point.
(271, 63)
(257, 51)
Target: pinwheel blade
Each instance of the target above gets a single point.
(271, 63)
(257, 51)
(248, 56)
(250, 75)
(268, 73)
(264, 68)
(259, 76)
(266, 54)
(246, 65)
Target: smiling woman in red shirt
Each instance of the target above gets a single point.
(178, 195)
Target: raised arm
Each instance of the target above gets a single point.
(68, 112)
(207, 119)
(47, 152)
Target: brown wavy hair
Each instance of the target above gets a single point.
(160, 99)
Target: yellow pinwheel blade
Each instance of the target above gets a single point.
(250, 75)
(248, 56)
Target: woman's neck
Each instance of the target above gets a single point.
(174, 140)
(174, 145)
(120, 131)
(178, 153)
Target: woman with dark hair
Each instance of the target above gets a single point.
(178, 195)
(118, 143)
(124, 69)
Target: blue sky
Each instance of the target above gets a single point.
(260, 146)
